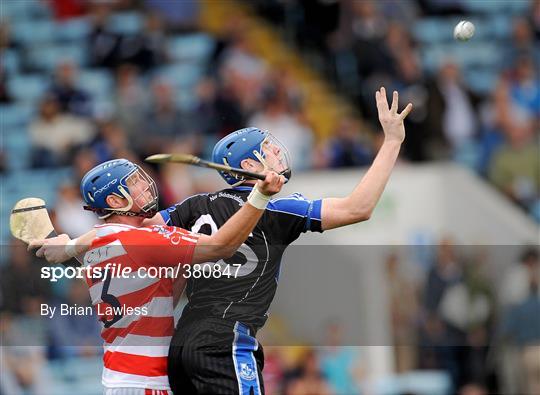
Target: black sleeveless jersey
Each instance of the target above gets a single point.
(242, 287)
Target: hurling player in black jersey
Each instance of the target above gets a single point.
(214, 349)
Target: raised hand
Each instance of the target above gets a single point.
(391, 121)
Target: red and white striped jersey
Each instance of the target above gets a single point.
(133, 301)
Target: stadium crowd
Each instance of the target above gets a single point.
(145, 107)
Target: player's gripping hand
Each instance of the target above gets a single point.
(272, 184)
(53, 249)
(391, 120)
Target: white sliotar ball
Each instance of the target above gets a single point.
(464, 31)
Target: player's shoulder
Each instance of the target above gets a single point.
(105, 230)
(190, 200)
(293, 204)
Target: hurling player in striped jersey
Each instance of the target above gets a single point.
(228, 359)
(134, 306)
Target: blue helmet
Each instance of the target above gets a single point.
(113, 177)
(248, 143)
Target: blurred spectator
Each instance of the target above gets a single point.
(319, 19)
(346, 147)
(111, 141)
(468, 309)
(275, 118)
(6, 43)
(273, 370)
(516, 286)
(130, 100)
(523, 43)
(5, 96)
(178, 16)
(75, 335)
(66, 9)
(410, 83)
(243, 71)
(177, 180)
(20, 283)
(444, 273)
(341, 365)
(521, 325)
(103, 45)
(524, 87)
(404, 311)
(433, 351)
(22, 358)
(54, 134)
(205, 114)
(6, 39)
(473, 389)
(514, 166)
(71, 98)
(452, 108)
(145, 50)
(309, 380)
(442, 7)
(70, 217)
(219, 111)
(85, 159)
(535, 18)
(164, 122)
(3, 159)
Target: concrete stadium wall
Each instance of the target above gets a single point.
(320, 281)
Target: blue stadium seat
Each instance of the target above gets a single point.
(75, 29)
(186, 100)
(11, 61)
(477, 53)
(432, 56)
(192, 47)
(33, 32)
(14, 116)
(48, 57)
(518, 7)
(415, 382)
(126, 23)
(18, 148)
(433, 30)
(19, 10)
(181, 75)
(484, 6)
(500, 26)
(482, 81)
(28, 88)
(99, 83)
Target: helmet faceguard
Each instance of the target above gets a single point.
(273, 155)
(123, 179)
(141, 192)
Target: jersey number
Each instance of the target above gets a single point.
(251, 258)
(112, 301)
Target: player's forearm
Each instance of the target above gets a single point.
(225, 242)
(368, 192)
(83, 242)
(359, 205)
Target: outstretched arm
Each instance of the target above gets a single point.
(359, 205)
